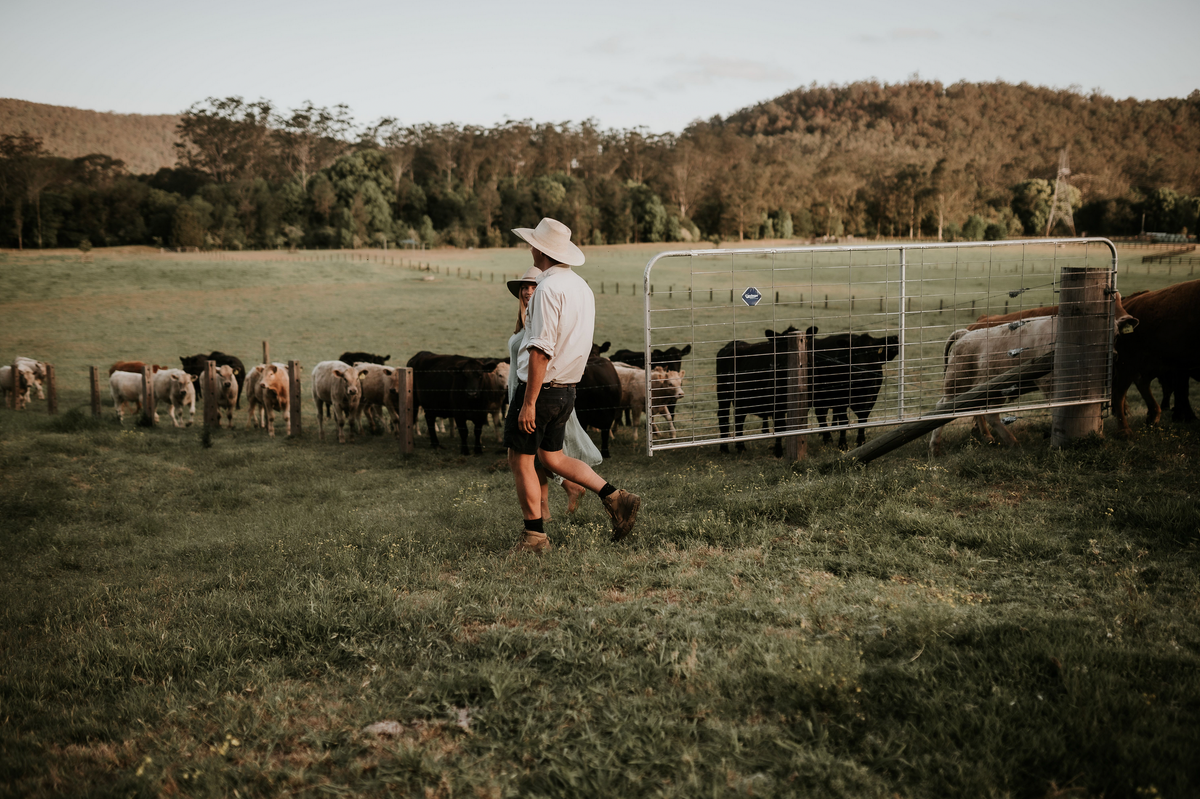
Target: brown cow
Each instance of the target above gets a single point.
(133, 366)
(1166, 342)
(267, 392)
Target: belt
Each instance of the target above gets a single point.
(551, 384)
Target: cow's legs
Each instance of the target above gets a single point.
(739, 422)
(479, 425)
(723, 423)
(461, 423)
(431, 426)
(1000, 429)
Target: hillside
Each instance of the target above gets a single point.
(145, 143)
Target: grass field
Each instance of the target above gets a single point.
(260, 618)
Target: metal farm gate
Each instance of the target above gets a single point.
(918, 293)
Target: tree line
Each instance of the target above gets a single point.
(919, 160)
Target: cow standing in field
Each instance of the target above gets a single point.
(37, 371)
(15, 384)
(598, 395)
(633, 395)
(133, 366)
(176, 389)
(974, 357)
(198, 364)
(666, 389)
(670, 359)
(847, 373)
(227, 393)
(126, 387)
(335, 386)
(498, 406)
(379, 391)
(752, 379)
(266, 392)
(1166, 344)
(450, 386)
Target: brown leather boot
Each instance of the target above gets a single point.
(622, 508)
(537, 543)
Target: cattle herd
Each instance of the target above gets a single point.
(1156, 335)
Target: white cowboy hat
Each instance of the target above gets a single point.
(527, 279)
(553, 238)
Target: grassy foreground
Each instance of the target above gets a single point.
(259, 618)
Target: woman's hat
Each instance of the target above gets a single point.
(553, 238)
(527, 279)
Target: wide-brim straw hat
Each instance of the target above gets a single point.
(527, 279)
(553, 238)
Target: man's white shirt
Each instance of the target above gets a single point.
(561, 323)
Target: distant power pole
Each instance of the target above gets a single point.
(1060, 206)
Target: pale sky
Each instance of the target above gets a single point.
(625, 63)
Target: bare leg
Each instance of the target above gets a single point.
(572, 469)
(574, 493)
(530, 484)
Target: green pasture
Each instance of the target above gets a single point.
(238, 616)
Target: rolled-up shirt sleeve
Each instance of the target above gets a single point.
(544, 311)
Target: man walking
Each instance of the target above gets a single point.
(551, 360)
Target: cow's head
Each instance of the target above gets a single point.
(598, 349)
(1124, 323)
(665, 385)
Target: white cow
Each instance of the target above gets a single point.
(227, 393)
(977, 356)
(665, 385)
(633, 395)
(174, 387)
(126, 387)
(379, 392)
(335, 386)
(16, 384)
(37, 369)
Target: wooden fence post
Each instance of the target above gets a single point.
(294, 426)
(208, 387)
(798, 396)
(404, 387)
(266, 352)
(51, 390)
(1082, 353)
(148, 395)
(95, 376)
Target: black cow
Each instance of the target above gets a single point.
(598, 395)
(847, 373)
(363, 357)
(752, 379)
(198, 364)
(449, 387)
(670, 359)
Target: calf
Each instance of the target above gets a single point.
(363, 357)
(125, 387)
(379, 391)
(666, 389)
(17, 384)
(450, 386)
(133, 366)
(197, 364)
(633, 394)
(227, 393)
(751, 379)
(175, 388)
(670, 359)
(847, 373)
(494, 395)
(598, 395)
(35, 368)
(335, 385)
(267, 392)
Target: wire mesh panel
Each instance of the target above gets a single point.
(879, 321)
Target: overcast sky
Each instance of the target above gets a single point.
(623, 62)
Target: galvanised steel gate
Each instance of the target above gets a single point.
(702, 300)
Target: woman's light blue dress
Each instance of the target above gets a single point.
(577, 444)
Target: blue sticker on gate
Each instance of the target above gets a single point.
(751, 296)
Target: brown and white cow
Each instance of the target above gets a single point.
(494, 395)
(976, 356)
(175, 388)
(633, 395)
(35, 368)
(126, 388)
(336, 387)
(133, 366)
(267, 392)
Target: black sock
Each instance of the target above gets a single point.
(534, 526)
(608, 489)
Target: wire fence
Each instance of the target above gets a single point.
(881, 317)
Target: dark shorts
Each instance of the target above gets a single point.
(553, 410)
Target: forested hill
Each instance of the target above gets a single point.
(145, 143)
(1008, 131)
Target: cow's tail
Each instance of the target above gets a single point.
(955, 336)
